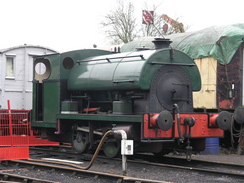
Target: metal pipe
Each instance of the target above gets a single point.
(97, 150)
(151, 141)
(122, 132)
(176, 107)
(124, 157)
(58, 128)
(83, 129)
(124, 137)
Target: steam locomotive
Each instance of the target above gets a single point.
(79, 95)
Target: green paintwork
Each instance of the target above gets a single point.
(51, 101)
(103, 71)
(54, 87)
(50, 90)
(43, 124)
(69, 106)
(76, 56)
(122, 107)
(55, 66)
(113, 72)
(34, 96)
(99, 75)
(169, 56)
(101, 117)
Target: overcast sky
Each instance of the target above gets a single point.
(65, 25)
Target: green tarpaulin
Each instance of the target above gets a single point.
(220, 42)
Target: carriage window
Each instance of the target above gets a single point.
(10, 67)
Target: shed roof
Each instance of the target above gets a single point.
(26, 46)
(220, 42)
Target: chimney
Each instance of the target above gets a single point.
(161, 43)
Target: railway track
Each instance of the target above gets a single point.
(201, 166)
(209, 167)
(214, 167)
(93, 175)
(7, 178)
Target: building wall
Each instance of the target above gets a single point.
(229, 83)
(222, 85)
(18, 88)
(206, 97)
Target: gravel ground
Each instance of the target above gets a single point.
(231, 158)
(172, 175)
(149, 172)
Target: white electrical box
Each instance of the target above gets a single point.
(127, 147)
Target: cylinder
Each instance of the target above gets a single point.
(122, 107)
(68, 107)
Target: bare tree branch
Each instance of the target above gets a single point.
(121, 24)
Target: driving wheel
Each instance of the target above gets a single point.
(79, 140)
(111, 149)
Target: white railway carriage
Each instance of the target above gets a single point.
(16, 71)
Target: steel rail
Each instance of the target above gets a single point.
(235, 170)
(106, 176)
(181, 163)
(7, 177)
